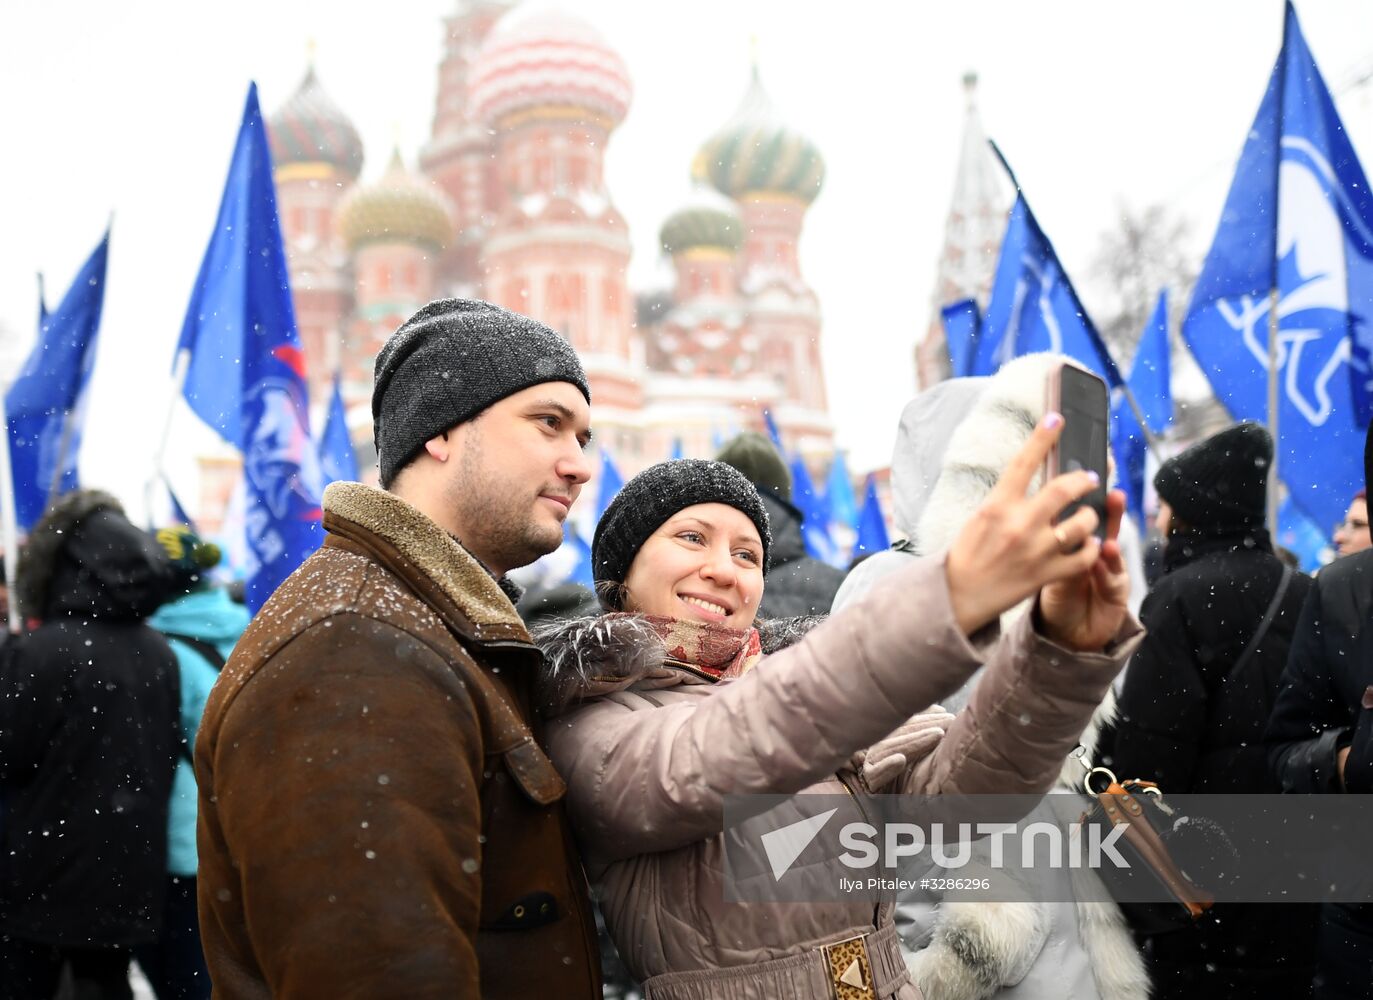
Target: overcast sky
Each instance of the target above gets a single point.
(132, 109)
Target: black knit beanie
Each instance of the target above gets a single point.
(653, 496)
(450, 361)
(756, 457)
(1221, 482)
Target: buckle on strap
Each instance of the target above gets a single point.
(850, 969)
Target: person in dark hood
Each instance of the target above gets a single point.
(797, 584)
(1320, 737)
(89, 738)
(1197, 696)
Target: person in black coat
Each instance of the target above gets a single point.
(797, 584)
(1192, 712)
(1320, 738)
(89, 738)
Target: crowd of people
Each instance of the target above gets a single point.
(403, 777)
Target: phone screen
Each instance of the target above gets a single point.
(1083, 398)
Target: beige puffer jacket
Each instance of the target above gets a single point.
(647, 767)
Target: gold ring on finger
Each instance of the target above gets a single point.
(1062, 537)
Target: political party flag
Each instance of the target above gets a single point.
(872, 526)
(843, 505)
(45, 406)
(337, 458)
(1034, 307)
(962, 328)
(1296, 231)
(244, 370)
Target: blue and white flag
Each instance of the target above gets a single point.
(771, 424)
(45, 407)
(245, 373)
(1034, 308)
(962, 327)
(1298, 219)
(843, 505)
(338, 460)
(872, 526)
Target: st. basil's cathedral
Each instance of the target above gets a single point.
(507, 201)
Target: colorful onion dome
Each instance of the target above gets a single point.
(399, 208)
(707, 219)
(756, 153)
(547, 58)
(310, 128)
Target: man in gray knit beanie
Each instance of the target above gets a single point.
(395, 669)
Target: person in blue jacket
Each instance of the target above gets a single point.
(201, 623)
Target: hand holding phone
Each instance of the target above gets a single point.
(1082, 399)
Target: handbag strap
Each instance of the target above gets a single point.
(1262, 630)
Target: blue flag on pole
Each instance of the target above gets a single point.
(611, 482)
(872, 526)
(1298, 220)
(677, 452)
(245, 373)
(1033, 306)
(45, 406)
(1150, 382)
(337, 458)
(582, 571)
(962, 328)
(843, 505)
(815, 515)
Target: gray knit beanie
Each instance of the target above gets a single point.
(757, 458)
(653, 496)
(450, 361)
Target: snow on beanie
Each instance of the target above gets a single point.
(1221, 482)
(450, 361)
(653, 496)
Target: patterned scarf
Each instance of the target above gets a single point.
(710, 651)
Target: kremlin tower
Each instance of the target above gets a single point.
(972, 238)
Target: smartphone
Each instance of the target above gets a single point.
(1083, 400)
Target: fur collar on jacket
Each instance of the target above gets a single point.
(38, 560)
(433, 551)
(586, 658)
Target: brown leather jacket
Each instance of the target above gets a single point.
(376, 818)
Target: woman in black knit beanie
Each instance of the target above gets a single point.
(677, 697)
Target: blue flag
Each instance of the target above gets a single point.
(962, 328)
(872, 526)
(610, 483)
(1033, 306)
(45, 406)
(1298, 220)
(1150, 382)
(337, 458)
(843, 505)
(245, 373)
(581, 571)
(815, 515)
(677, 452)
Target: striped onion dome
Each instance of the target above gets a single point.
(707, 219)
(757, 153)
(399, 208)
(545, 57)
(310, 128)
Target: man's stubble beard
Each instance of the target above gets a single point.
(496, 510)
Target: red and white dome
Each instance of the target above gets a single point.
(545, 57)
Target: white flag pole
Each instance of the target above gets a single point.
(1273, 482)
(9, 517)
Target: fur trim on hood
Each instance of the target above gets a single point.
(38, 559)
(587, 658)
